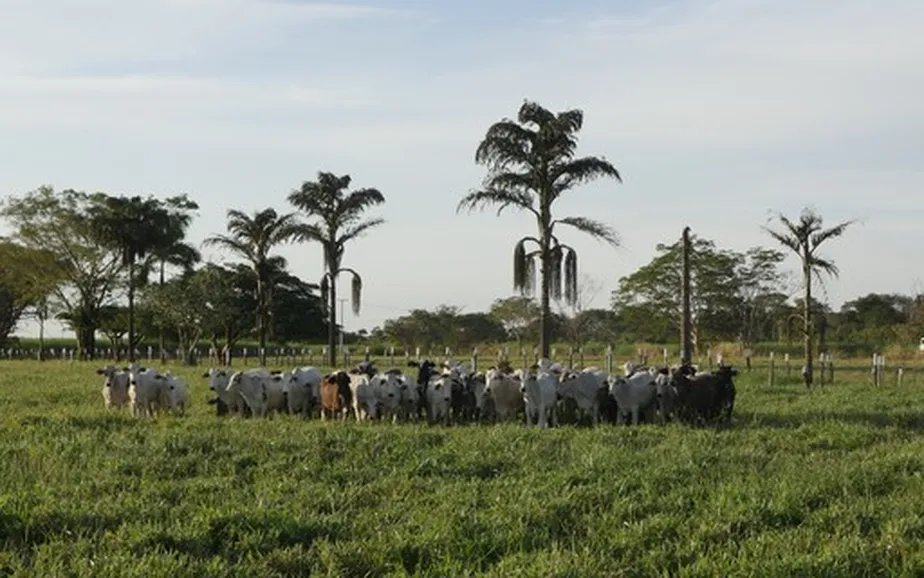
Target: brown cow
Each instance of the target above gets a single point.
(335, 395)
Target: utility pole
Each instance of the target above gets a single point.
(686, 325)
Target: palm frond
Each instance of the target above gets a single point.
(354, 204)
(533, 113)
(835, 231)
(579, 171)
(520, 266)
(571, 121)
(502, 198)
(358, 230)
(821, 265)
(570, 277)
(231, 244)
(790, 241)
(556, 255)
(595, 229)
(505, 144)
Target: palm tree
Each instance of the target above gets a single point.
(252, 238)
(803, 238)
(338, 220)
(172, 249)
(531, 163)
(134, 226)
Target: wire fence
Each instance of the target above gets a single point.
(774, 369)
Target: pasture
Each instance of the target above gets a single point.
(822, 483)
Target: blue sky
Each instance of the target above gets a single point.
(715, 113)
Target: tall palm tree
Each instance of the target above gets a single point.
(804, 237)
(338, 219)
(252, 238)
(172, 249)
(531, 162)
(134, 226)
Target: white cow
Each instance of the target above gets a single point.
(504, 391)
(261, 391)
(218, 382)
(540, 394)
(177, 393)
(387, 389)
(115, 386)
(410, 398)
(147, 391)
(633, 394)
(364, 398)
(667, 397)
(303, 390)
(584, 389)
(439, 398)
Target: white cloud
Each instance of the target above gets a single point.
(715, 112)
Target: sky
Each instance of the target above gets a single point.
(718, 114)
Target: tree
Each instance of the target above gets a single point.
(178, 302)
(520, 317)
(27, 278)
(531, 162)
(134, 227)
(252, 238)
(760, 284)
(338, 219)
(804, 237)
(228, 311)
(171, 249)
(648, 300)
(59, 224)
(576, 324)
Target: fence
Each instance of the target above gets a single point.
(826, 372)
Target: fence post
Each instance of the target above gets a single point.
(875, 369)
(474, 360)
(899, 377)
(581, 355)
(609, 359)
(771, 374)
(391, 355)
(788, 366)
(417, 353)
(665, 353)
(709, 358)
(821, 374)
(554, 354)
(507, 353)
(571, 357)
(535, 354)
(366, 354)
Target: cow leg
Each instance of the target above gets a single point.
(635, 415)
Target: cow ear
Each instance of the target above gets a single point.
(100, 371)
(206, 374)
(125, 369)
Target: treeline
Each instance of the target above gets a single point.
(121, 267)
(741, 297)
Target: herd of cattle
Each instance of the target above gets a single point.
(545, 394)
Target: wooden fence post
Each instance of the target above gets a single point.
(772, 373)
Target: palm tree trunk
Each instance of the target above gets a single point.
(545, 325)
(162, 339)
(261, 317)
(131, 310)
(332, 320)
(807, 316)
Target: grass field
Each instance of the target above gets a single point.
(822, 483)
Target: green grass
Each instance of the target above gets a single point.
(827, 483)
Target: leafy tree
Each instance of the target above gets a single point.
(134, 227)
(804, 237)
(252, 238)
(228, 311)
(27, 278)
(59, 224)
(760, 284)
(531, 163)
(520, 317)
(179, 303)
(337, 219)
(649, 302)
